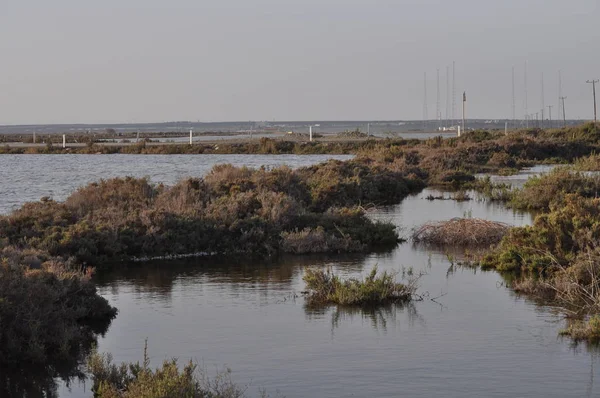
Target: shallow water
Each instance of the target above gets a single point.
(470, 336)
(26, 178)
(476, 339)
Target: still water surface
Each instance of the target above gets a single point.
(25, 178)
(476, 339)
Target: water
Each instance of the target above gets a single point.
(470, 336)
(517, 180)
(475, 339)
(28, 178)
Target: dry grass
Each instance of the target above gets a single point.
(461, 232)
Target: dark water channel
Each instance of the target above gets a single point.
(476, 339)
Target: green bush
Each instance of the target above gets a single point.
(326, 288)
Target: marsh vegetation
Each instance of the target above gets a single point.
(48, 245)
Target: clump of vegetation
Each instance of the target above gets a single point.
(495, 192)
(135, 380)
(588, 163)
(581, 330)
(48, 314)
(540, 191)
(324, 288)
(230, 211)
(461, 232)
(554, 240)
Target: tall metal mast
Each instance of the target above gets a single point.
(513, 98)
(526, 110)
(438, 112)
(425, 116)
(453, 91)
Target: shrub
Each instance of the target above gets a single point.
(326, 288)
(584, 330)
(461, 232)
(540, 191)
(48, 314)
(135, 380)
(554, 241)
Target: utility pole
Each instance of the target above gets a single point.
(593, 83)
(550, 116)
(562, 100)
(464, 110)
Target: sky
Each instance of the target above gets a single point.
(131, 61)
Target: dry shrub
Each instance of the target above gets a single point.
(461, 232)
(576, 287)
(316, 240)
(124, 193)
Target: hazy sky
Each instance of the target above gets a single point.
(71, 61)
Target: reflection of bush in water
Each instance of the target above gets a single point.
(380, 317)
(49, 319)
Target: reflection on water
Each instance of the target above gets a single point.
(380, 317)
(23, 380)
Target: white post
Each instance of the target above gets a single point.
(191, 136)
(310, 133)
(368, 128)
(137, 138)
(458, 131)
(505, 128)
(64, 140)
(34, 137)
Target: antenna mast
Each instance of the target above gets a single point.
(526, 110)
(513, 97)
(562, 100)
(543, 102)
(560, 95)
(453, 91)
(447, 94)
(425, 116)
(438, 112)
